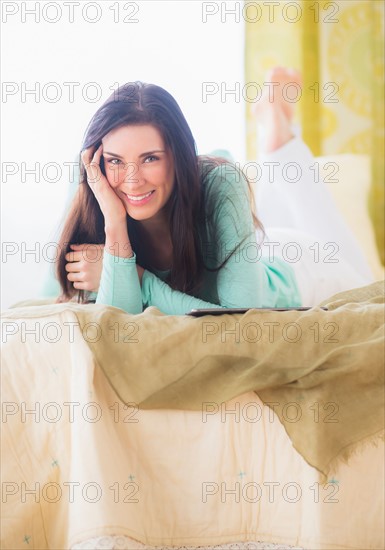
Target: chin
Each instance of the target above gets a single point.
(139, 216)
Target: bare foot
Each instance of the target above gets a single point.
(275, 110)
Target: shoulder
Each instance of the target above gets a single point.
(227, 200)
(220, 180)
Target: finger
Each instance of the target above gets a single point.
(98, 154)
(91, 164)
(73, 256)
(79, 246)
(91, 154)
(93, 170)
(86, 155)
(73, 267)
(80, 286)
(88, 251)
(75, 276)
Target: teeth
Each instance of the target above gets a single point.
(139, 198)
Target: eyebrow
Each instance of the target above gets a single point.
(140, 156)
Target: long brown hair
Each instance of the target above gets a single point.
(138, 103)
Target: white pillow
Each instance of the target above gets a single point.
(348, 178)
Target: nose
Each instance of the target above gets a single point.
(133, 179)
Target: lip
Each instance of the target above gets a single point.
(139, 203)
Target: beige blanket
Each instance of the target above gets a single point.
(319, 372)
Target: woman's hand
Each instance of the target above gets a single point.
(84, 266)
(111, 205)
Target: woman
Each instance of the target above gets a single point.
(177, 231)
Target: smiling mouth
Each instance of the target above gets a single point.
(139, 198)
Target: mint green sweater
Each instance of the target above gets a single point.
(248, 279)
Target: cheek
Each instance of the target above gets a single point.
(163, 177)
(115, 176)
(153, 174)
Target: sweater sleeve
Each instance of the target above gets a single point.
(119, 284)
(157, 293)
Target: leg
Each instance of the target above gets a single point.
(288, 194)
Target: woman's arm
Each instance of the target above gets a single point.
(120, 287)
(119, 261)
(119, 284)
(120, 279)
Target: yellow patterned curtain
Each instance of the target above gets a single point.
(339, 48)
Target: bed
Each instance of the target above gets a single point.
(122, 431)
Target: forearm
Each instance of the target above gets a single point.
(156, 292)
(117, 240)
(118, 243)
(120, 282)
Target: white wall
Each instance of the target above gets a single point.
(169, 45)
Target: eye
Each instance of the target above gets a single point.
(151, 157)
(114, 162)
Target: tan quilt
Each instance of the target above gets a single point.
(178, 430)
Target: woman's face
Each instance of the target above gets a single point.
(139, 168)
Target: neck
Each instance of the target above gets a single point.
(156, 229)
